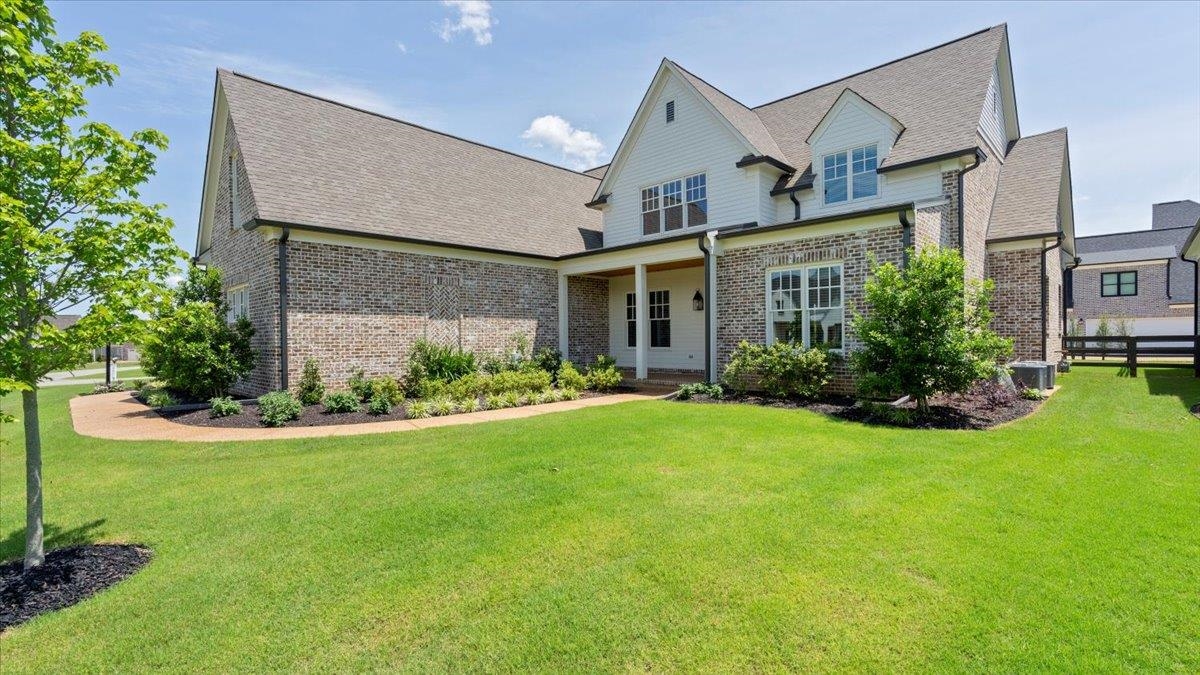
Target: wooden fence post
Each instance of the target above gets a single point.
(1131, 355)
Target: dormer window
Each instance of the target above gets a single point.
(670, 111)
(851, 174)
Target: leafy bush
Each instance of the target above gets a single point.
(493, 402)
(603, 375)
(224, 406)
(359, 384)
(569, 377)
(418, 410)
(512, 399)
(548, 359)
(783, 369)
(114, 386)
(891, 415)
(689, 391)
(569, 394)
(191, 348)
(430, 361)
(379, 405)
(386, 387)
(431, 389)
(543, 396)
(160, 399)
(518, 381)
(467, 405)
(1032, 394)
(926, 329)
(443, 406)
(468, 386)
(138, 384)
(341, 402)
(279, 407)
(311, 389)
(994, 394)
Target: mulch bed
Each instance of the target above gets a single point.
(1196, 410)
(310, 416)
(68, 576)
(973, 410)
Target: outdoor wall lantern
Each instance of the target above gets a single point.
(698, 302)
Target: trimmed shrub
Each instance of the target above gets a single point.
(493, 402)
(689, 391)
(467, 405)
(379, 405)
(311, 388)
(543, 396)
(603, 375)
(418, 410)
(224, 406)
(1032, 394)
(278, 407)
(160, 399)
(569, 394)
(442, 407)
(518, 381)
(429, 361)
(386, 386)
(548, 359)
(569, 377)
(468, 386)
(359, 385)
(512, 399)
(431, 389)
(783, 369)
(341, 402)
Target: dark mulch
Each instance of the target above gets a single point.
(68, 576)
(310, 416)
(977, 409)
(1196, 410)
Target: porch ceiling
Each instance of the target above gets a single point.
(659, 267)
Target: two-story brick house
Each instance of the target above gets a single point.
(347, 235)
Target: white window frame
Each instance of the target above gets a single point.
(237, 299)
(658, 199)
(663, 308)
(849, 178)
(806, 338)
(631, 319)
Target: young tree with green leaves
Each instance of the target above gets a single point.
(925, 330)
(73, 229)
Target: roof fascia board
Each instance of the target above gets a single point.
(212, 167)
(751, 160)
(974, 151)
(1008, 85)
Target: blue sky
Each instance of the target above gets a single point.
(1125, 78)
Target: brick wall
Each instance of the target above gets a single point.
(1017, 305)
(246, 258)
(587, 319)
(359, 308)
(741, 283)
(1150, 301)
(979, 188)
(938, 225)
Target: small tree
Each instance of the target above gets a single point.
(1103, 330)
(191, 347)
(926, 329)
(311, 389)
(73, 229)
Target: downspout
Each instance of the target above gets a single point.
(792, 196)
(962, 198)
(283, 283)
(1046, 296)
(708, 338)
(1195, 311)
(1075, 262)
(905, 235)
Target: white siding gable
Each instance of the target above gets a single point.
(991, 120)
(697, 141)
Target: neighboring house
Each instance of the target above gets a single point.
(1136, 277)
(1190, 253)
(714, 223)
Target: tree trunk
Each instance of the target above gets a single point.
(34, 549)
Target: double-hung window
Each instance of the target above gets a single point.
(804, 305)
(660, 319)
(238, 302)
(1117, 284)
(675, 204)
(851, 174)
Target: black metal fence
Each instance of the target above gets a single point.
(1129, 348)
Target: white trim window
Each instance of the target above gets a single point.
(660, 319)
(631, 320)
(804, 304)
(675, 204)
(851, 174)
(238, 302)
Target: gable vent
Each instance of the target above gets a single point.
(670, 111)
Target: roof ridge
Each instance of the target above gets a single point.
(710, 84)
(1043, 133)
(1148, 229)
(399, 121)
(882, 65)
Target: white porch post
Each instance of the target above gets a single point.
(564, 339)
(642, 323)
(710, 273)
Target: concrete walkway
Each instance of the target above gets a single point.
(67, 377)
(119, 416)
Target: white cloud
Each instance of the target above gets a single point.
(474, 16)
(581, 149)
(402, 47)
(163, 69)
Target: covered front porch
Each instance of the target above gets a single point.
(650, 308)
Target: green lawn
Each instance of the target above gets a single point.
(643, 536)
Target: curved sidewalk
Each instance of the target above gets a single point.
(120, 417)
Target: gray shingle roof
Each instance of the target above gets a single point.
(1129, 255)
(597, 171)
(937, 95)
(745, 120)
(319, 163)
(1126, 245)
(1167, 215)
(1027, 194)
